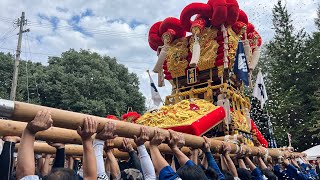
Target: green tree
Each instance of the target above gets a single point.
(290, 80)
(78, 81)
(314, 59)
(6, 69)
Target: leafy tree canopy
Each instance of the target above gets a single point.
(78, 81)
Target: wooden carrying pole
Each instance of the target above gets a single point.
(72, 120)
(66, 136)
(70, 150)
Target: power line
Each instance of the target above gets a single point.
(86, 30)
(6, 36)
(117, 58)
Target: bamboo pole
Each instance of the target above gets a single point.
(70, 150)
(72, 120)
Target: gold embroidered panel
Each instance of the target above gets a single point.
(209, 48)
(176, 57)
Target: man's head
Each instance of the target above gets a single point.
(211, 174)
(62, 174)
(269, 174)
(191, 173)
(227, 175)
(243, 173)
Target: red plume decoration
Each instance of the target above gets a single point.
(112, 117)
(131, 117)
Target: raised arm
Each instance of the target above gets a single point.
(145, 160)
(241, 163)
(158, 161)
(204, 161)
(195, 156)
(60, 155)
(261, 163)
(224, 165)
(255, 171)
(249, 163)
(111, 160)
(26, 164)
(70, 162)
(231, 166)
(106, 134)
(46, 165)
(89, 160)
(177, 141)
(211, 162)
(134, 160)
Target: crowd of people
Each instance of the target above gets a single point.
(98, 160)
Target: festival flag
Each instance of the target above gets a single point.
(259, 90)
(240, 65)
(155, 96)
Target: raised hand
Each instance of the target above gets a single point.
(176, 140)
(226, 148)
(56, 145)
(107, 132)
(41, 122)
(206, 147)
(88, 128)
(126, 146)
(108, 145)
(158, 138)
(143, 137)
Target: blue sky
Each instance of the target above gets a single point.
(118, 28)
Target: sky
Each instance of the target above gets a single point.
(118, 28)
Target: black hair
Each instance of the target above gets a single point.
(243, 173)
(227, 175)
(211, 174)
(191, 173)
(269, 174)
(62, 174)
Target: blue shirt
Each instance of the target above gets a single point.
(212, 163)
(167, 173)
(257, 174)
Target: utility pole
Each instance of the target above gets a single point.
(20, 22)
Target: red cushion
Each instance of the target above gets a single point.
(204, 124)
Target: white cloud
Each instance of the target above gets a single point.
(112, 34)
